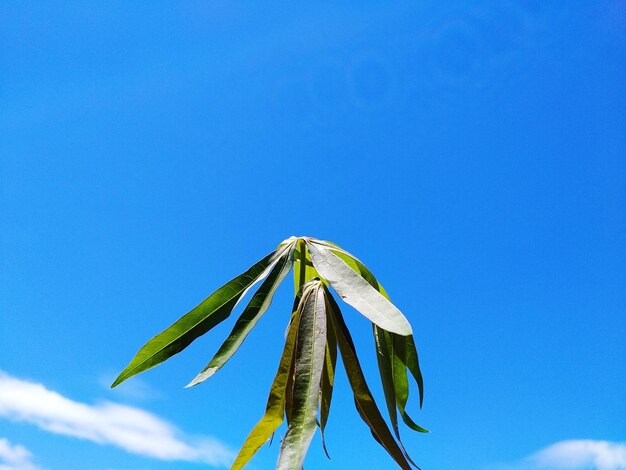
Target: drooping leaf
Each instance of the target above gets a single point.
(386, 374)
(210, 312)
(328, 381)
(274, 410)
(405, 344)
(309, 363)
(248, 319)
(363, 398)
(401, 383)
(408, 355)
(385, 355)
(356, 291)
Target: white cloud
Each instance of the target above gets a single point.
(130, 428)
(15, 457)
(579, 454)
(582, 454)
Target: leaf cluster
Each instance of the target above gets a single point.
(317, 333)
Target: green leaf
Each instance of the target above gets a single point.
(309, 364)
(289, 390)
(385, 367)
(274, 410)
(328, 380)
(381, 339)
(401, 383)
(391, 383)
(411, 360)
(360, 268)
(363, 398)
(210, 312)
(408, 355)
(290, 377)
(356, 291)
(257, 306)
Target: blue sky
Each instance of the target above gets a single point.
(471, 153)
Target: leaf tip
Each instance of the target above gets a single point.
(118, 381)
(202, 376)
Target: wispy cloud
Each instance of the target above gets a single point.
(129, 428)
(15, 457)
(580, 454)
(136, 389)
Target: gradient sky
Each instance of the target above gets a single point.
(472, 154)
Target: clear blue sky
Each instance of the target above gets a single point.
(471, 153)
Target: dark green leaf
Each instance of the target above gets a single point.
(401, 382)
(364, 400)
(210, 312)
(386, 374)
(248, 319)
(392, 384)
(328, 380)
(290, 377)
(408, 355)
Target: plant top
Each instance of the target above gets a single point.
(303, 386)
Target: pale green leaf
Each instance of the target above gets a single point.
(309, 364)
(356, 291)
(360, 268)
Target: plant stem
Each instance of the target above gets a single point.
(302, 264)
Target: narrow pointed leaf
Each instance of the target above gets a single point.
(328, 381)
(409, 422)
(257, 306)
(386, 375)
(363, 398)
(411, 360)
(309, 363)
(385, 355)
(289, 389)
(210, 312)
(401, 382)
(409, 349)
(356, 291)
(408, 355)
(274, 411)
